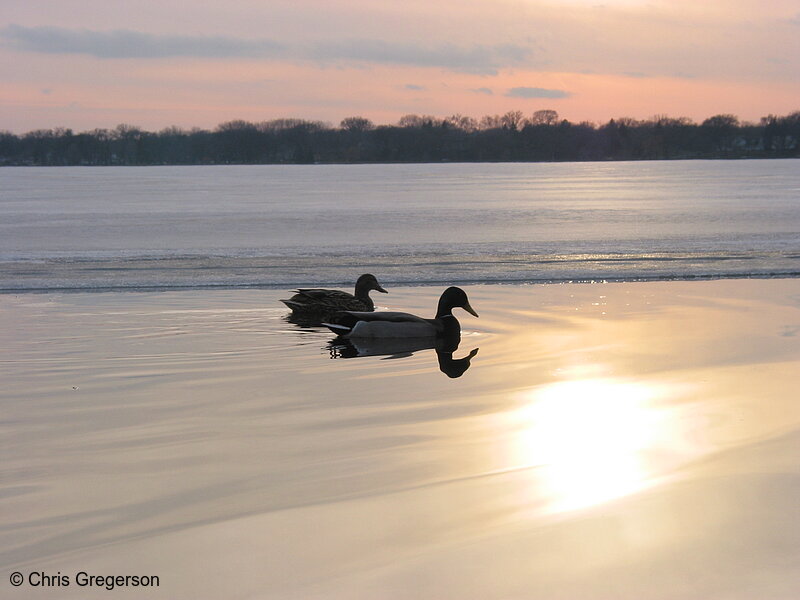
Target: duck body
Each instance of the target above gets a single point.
(357, 324)
(318, 302)
(362, 324)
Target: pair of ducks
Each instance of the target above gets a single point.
(353, 316)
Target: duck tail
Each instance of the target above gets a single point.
(338, 329)
(294, 305)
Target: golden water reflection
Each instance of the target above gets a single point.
(593, 440)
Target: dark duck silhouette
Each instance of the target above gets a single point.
(395, 348)
(454, 367)
(360, 324)
(319, 303)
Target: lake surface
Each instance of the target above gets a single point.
(619, 441)
(601, 441)
(279, 226)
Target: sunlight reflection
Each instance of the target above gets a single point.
(592, 440)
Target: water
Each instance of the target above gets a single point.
(603, 439)
(626, 441)
(275, 226)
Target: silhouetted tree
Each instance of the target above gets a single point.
(462, 122)
(490, 122)
(544, 117)
(720, 130)
(416, 138)
(358, 124)
(513, 120)
(418, 121)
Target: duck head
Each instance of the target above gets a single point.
(368, 282)
(454, 297)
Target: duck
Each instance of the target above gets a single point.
(308, 301)
(385, 324)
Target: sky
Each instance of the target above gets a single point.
(86, 64)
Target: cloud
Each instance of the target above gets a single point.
(413, 87)
(535, 92)
(483, 90)
(476, 59)
(123, 43)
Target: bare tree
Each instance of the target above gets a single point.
(356, 124)
(419, 121)
(513, 120)
(462, 122)
(490, 122)
(124, 131)
(721, 130)
(544, 117)
(722, 122)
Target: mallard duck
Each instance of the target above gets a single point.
(354, 324)
(326, 302)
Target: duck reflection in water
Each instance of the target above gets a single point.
(397, 334)
(391, 348)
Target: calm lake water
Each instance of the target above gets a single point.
(620, 441)
(278, 226)
(602, 441)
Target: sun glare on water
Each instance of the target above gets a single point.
(590, 441)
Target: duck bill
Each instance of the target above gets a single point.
(470, 310)
(380, 289)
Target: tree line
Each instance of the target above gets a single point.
(511, 137)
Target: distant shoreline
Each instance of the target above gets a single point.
(414, 140)
(411, 162)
